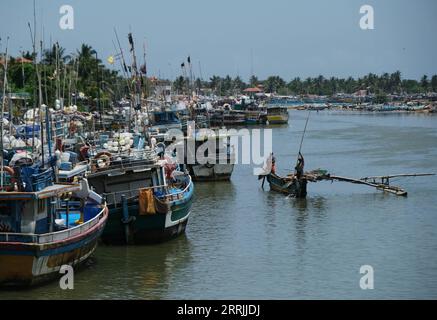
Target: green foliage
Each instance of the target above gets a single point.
(63, 74)
(372, 83)
(381, 97)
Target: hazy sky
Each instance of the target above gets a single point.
(285, 37)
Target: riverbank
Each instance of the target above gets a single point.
(394, 108)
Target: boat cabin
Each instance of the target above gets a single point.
(31, 212)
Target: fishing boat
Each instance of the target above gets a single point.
(289, 185)
(253, 111)
(295, 184)
(45, 225)
(149, 200)
(277, 115)
(234, 118)
(217, 166)
(164, 120)
(297, 187)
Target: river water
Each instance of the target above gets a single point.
(243, 242)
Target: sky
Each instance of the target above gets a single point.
(289, 38)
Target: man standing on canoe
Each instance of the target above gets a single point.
(299, 166)
(300, 182)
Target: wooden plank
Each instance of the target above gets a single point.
(392, 189)
(399, 175)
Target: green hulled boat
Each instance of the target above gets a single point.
(149, 200)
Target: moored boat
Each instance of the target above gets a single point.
(45, 225)
(217, 165)
(149, 200)
(277, 115)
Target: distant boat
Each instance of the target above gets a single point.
(234, 118)
(165, 120)
(277, 115)
(40, 230)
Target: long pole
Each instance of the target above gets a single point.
(145, 80)
(98, 94)
(303, 135)
(33, 39)
(5, 79)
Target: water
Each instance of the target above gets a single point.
(246, 243)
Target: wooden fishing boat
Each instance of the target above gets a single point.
(149, 201)
(296, 184)
(254, 117)
(234, 118)
(45, 225)
(292, 186)
(277, 115)
(289, 185)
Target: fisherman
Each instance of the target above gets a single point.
(273, 170)
(299, 166)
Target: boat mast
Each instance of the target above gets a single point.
(5, 80)
(136, 75)
(145, 80)
(98, 94)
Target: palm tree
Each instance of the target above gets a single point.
(238, 84)
(50, 55)
(87, 61)
(424, 83)
(253, 81)
(434, 83)
(395, 81)
(214, 82)
(179, 84)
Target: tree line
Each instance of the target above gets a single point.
(374, 84)
(64, 76)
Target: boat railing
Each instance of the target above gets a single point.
(115, 162)
(133, 193)
(178, 195)
(53, 236)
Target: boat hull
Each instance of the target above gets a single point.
(28, 264)
(278, 184)
(147, 229)
(278, 119)
(216, 172)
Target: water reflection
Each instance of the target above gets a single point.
(305, 209)
(120, 272)
(144, 272)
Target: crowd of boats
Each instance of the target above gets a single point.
(69, 179)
